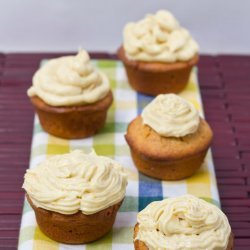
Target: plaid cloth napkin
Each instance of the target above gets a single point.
(141, 190)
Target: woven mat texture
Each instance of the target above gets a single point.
(225, 88)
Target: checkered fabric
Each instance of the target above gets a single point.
(141, 190)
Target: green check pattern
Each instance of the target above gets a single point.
(141, 190)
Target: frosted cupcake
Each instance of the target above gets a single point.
(182, 223)
(75, 196)
(169, 140)
(71, 96)
(158, 54)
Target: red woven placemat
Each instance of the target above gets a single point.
(225, 88)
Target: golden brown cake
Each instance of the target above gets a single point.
(77, 228)
(158, 54)
(154, 78)
(176, 154)
(168, 229)
(75, 196)
(71, 97)
(74, 121)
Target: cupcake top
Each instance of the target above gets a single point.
(171, 116)
(158, 38)
(183, 223)
(69, 81)
(76, 181)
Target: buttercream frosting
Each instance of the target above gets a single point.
(171, 116)
(76, 181)
(159, 38)
(68, 81)
(183, 223)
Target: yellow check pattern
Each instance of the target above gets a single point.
(110, 142)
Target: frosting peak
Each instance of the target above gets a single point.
(181, 223)
(68, 81)
(171, 116)
(76, 181)
(160, 38)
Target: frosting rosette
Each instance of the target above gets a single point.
(171, 116)
(76, 181)
(158, 38)
(183, 223)
(68, 81)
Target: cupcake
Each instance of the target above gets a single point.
(158, 54)
(169, 140)
(75, 196)
(182, 223)
(70, 96)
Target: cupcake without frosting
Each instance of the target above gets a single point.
(182, 223)
(158, 54)
(75, 196)
(71, 96)
(169, 140)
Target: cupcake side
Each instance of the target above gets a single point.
(169, 140)
(158, 54)
(184, 222)
(70, 96)
(75, 196)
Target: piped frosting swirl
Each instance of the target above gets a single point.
(69, 81)
(171, 116)
(76, 181)
(158, 38)
(183, 223)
